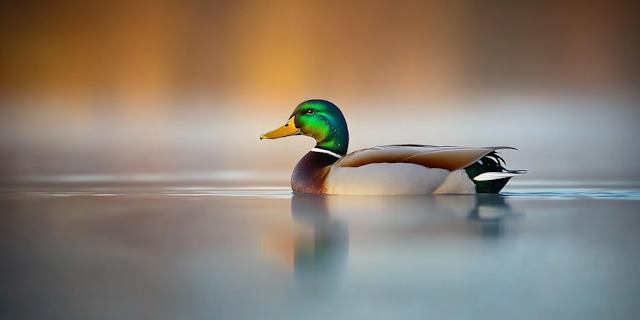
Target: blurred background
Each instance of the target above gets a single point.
(182, 89)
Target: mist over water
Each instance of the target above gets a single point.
(559, 138)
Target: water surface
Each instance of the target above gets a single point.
(256, 252)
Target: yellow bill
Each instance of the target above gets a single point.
(288, 129)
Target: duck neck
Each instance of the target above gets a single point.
(310, 172)
(336, 141)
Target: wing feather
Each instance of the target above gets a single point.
(449, 158)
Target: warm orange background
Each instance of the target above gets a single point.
(188, 86)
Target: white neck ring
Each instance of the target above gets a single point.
(327, 152)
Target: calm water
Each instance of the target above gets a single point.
(262, 253)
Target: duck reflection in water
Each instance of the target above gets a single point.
(490, 211)
(317, 245)
(319, 242)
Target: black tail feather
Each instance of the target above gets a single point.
(492, 162)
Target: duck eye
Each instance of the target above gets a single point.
(311, 111)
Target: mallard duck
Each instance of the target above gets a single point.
(384, 170)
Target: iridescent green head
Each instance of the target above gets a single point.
(319, 119)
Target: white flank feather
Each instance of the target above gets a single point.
(384, 179)
(458, 182)
(496, 175)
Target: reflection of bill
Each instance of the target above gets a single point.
(319, 241)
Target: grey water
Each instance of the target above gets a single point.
(261, 252)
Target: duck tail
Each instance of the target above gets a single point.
(489, 175)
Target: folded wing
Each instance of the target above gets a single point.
(449, 158)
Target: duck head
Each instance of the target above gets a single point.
(319, 119)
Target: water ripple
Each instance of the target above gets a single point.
(572, 194)
(285, 192)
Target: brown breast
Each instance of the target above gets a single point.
(310, 172)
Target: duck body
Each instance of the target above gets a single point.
(385, 170)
